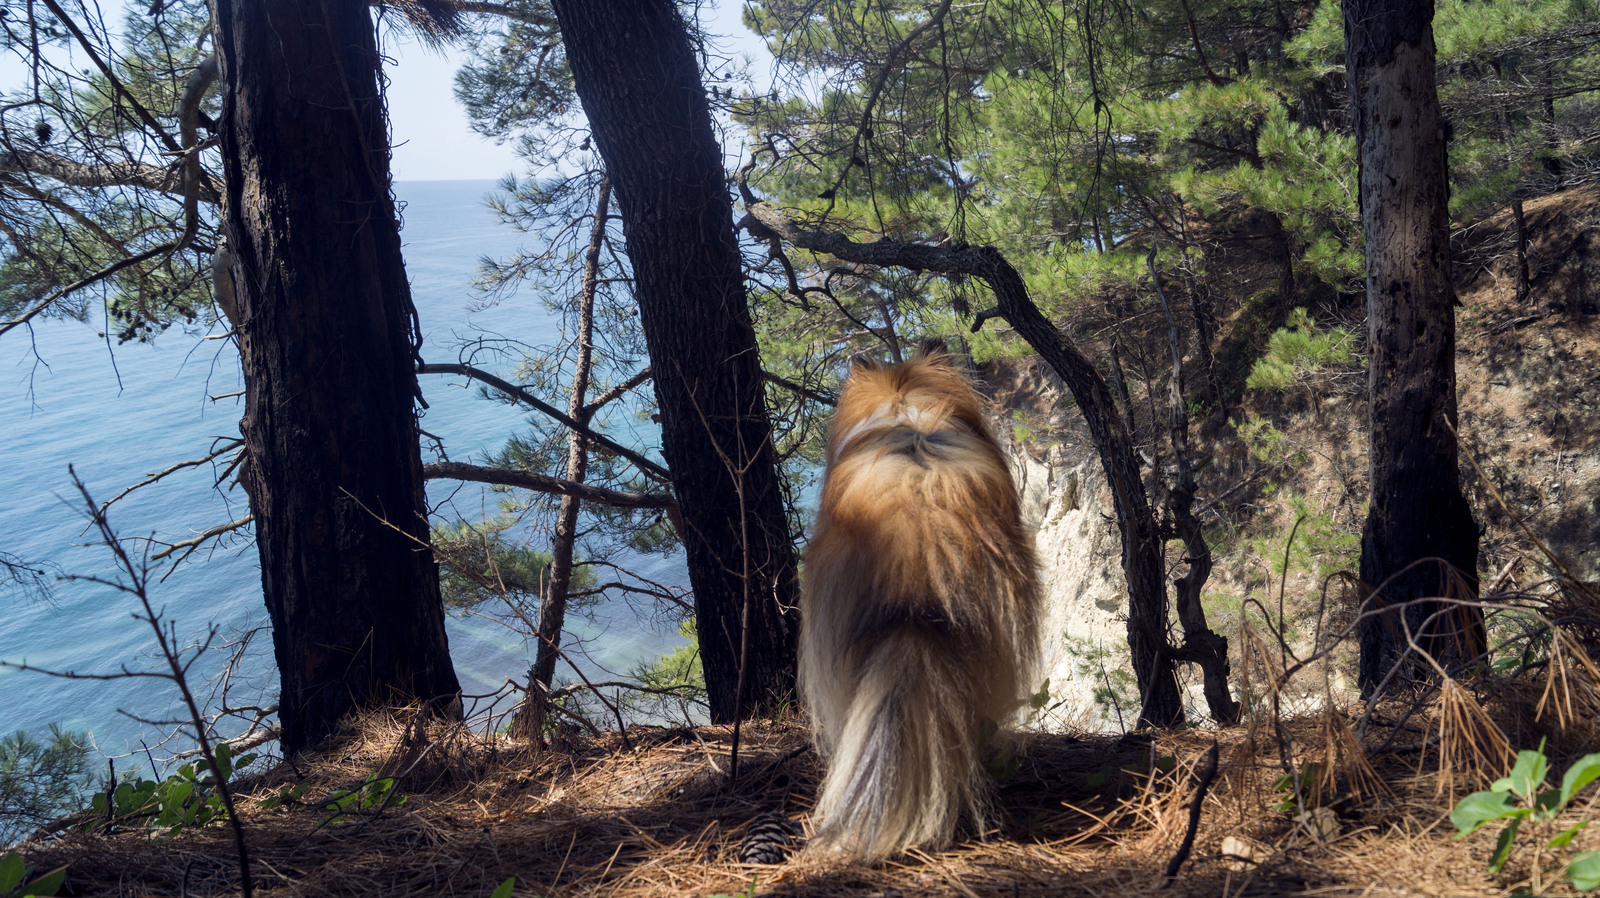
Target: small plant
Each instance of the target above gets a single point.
(14, 882)
(1300, 790)
(375, 794)
(286, 795)
(1519, 797)
(748, 893)
(1268, 444)
(505, 889)
(189, 799)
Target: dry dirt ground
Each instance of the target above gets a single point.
(1092, 816)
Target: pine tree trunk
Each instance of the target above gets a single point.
(328, 342)
(640, 85)
(1417, 510)
(535, 708)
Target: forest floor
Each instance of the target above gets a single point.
(1075, 815)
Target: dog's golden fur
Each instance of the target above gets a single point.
(920, 614)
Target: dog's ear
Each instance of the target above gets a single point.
(934, 349)
(864, 361)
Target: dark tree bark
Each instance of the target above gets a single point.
(1417, 510)
(640, 85)
(328, 340)
(1142, 562)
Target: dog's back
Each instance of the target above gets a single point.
(921, 608)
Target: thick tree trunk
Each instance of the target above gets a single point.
(1417, 510)
(640, 85)
(328, 341)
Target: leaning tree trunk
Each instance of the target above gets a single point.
(328, 337)
(640, 85)
(1417, 510)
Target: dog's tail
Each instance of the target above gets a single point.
(905, 764)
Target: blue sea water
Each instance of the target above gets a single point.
(118, 414)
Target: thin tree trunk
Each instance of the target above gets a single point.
(535, 708)
(1416, 507)
(1522, 251)
(328, 341)
(640, 85)
(1201, 645)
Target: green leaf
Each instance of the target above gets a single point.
(178, 794)
(1548, 804)
(1038, 699)
(1502, 846)
(11, 872)
(1479, 808)
(48, 884)
(1584, 871)
(1528, 773)
(504, 889)
(1565, 839)
(1580, 774)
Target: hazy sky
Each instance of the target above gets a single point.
(433, 141)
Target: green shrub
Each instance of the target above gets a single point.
(1299, 351)
(40, 781)
(1519, 797)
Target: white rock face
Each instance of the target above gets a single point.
(1085, 629)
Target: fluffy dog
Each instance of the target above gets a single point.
(920, 612)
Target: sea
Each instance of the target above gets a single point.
(70, 400)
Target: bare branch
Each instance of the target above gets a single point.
(227, 446)
(194, 90)
(450, 470)
(800, 389)
(515, 392)
(194, 542)
(616, 392)
(81, 174)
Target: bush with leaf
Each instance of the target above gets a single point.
(1521, 796)
(1300, 351)
(189, 799)
(15, 881)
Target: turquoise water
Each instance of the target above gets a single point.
(118, 414)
